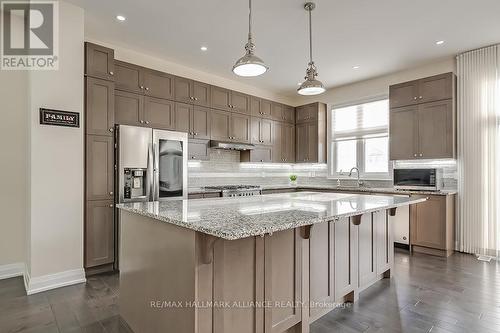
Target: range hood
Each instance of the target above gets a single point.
(230, 145)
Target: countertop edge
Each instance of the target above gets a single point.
(262, 232)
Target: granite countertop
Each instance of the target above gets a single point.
(385, 190)
(241, 217)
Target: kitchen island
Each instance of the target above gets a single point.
(270, 263)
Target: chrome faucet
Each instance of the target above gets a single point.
(357, 172)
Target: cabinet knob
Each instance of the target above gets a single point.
(193, 157)
(421, 155)
(111, 129)
(111, 73)
(195, 133)
(196, 98)
(142, 121)
(420, 97)
(142, 87)
(111, 193)
(147, 89)
(262, 160)
(414, 155)
(415, 98)
(111, 206)
(147, 122)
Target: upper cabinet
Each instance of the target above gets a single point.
(230, 126)
(283, 142)
(100, 106)
(289, 114)
(277, 111)
(228, 100)
(189, 91)
(310, 137)
(306, 113)
(221, 98)
(423, 119)
(157, 84)
(128, 77)
(144, 81)
(99, 62)
(434, 88)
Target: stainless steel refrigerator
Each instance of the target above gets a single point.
(152, 164)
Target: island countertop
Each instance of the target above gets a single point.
(241, 217)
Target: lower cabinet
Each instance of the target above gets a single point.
(367, 250)
(432, 226)
(99, 233)
(346, 258)
(321, 268)
(282, 280)
(251, 270)
(275, 283)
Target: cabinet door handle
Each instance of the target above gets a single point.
(111, 73)
(111, 129)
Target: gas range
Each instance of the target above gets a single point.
(237, 190)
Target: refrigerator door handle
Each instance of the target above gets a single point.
(151, 176)
(156, 178)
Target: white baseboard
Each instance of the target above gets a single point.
(53, 281)
(11, 270)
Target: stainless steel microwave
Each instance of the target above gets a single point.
(418, 179)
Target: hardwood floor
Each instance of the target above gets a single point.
(427, 294)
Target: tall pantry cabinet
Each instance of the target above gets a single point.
(99, 230)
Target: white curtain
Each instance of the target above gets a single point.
(478, 228)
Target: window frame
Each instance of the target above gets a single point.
(360, 145)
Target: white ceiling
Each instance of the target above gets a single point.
(381, 36)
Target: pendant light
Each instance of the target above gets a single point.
(249, 64)
(310, 86)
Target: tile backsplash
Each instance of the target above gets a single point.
(224, 168)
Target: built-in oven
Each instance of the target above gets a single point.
(418, 179)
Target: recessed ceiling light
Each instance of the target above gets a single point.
(120, 18)
(355, 67)
(440, 42)
(203, 48)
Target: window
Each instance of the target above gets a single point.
(360, 138)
